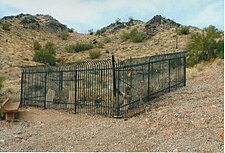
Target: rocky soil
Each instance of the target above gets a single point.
(189, 119)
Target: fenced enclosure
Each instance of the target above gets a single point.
(106, 87)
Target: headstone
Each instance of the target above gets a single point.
(50, 96)
(71, 99)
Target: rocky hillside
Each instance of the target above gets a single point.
(37, 22)
(17, 34)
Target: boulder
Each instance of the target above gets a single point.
(117, 26)
(94, 41)
(30, 22)
(54, 26)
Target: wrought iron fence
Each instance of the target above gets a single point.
(103, 87)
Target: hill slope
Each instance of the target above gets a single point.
(16, 44)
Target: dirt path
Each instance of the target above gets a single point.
(188, 119)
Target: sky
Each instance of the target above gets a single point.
(83, 15)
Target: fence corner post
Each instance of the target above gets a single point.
(21, 89)
(116, 102)
(185, 64)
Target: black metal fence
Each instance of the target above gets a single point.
(103, 87)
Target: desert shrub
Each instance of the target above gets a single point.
(36, 45)
(79, 47)
(134, 35)
(69, 48)
(106, 40)
(100, 31)
(118, 21)
(183, 30)
(64, 34)
(46, 54)
(94, 54)
(70, 30)
(50, 47)
(131, 19)
(205, 46)
(220, 47)
(6, 26)
(90, 31)
(2, 79)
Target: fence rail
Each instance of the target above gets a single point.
(103, 87)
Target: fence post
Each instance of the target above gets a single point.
(75, 95)
(169, 75)
(114, 76)
(149, 81)
(60, 80)
(21, 89)
(114, 83)
(184, 66)
(45, 90)
(118, 93)
(114, 87)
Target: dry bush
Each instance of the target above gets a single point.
(94, 54)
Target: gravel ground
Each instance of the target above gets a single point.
(189, 119)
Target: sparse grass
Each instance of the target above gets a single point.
(125, 36)
(94, 54)
(199, 67)
(106, 40)
(100, 45)
(219, 62)
(79, 47)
